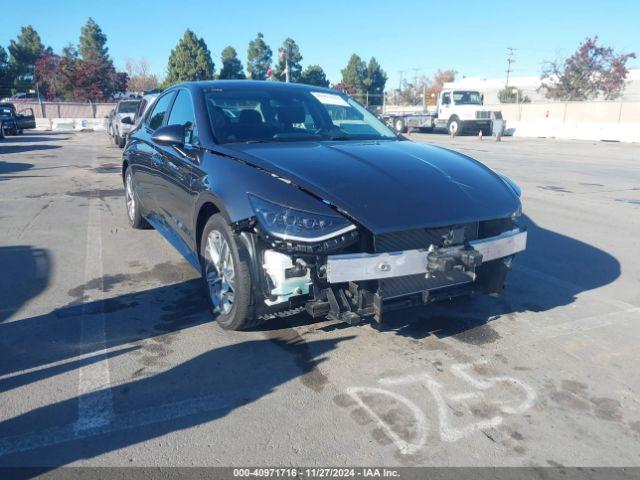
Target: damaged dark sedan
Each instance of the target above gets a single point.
(286, 196)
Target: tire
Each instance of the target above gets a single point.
(136, 220)
(121, 141)
(454, 126)
(115, 137)
(399, 125)
(232, 273)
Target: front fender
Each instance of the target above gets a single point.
(228, 181)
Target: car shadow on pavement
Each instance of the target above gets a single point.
(38, 341)
(25, 148)
(149, 404)
(7, 168)
(33, 139)
(24, 273)
(552, 271)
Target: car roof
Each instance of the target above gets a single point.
(250, 85)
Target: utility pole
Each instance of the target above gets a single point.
(511, 52)
(398, 97)
(287, 74)
(284, 53)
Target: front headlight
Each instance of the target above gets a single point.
(298, 225)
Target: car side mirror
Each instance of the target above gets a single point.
(169, 136)
(127, 121)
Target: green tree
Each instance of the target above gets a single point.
(258, 58)
(512, 95)
(6, 79)
(93, 42)
(190, 60)
(291, 50)
(354, 75)
(23, 54)
(231, 65)
(314, 75)
(374, 82)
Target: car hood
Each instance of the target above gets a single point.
(389, 186)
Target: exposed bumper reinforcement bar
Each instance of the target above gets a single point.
(374, 266)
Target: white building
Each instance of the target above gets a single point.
(529, 86)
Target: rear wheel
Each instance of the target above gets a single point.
(136, 220)
(226, 276)
(399, 125)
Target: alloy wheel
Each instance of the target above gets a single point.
(219, 272)
(131, 201)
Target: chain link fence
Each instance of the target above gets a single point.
(66, 109)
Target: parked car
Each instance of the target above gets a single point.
(146, 102)
(24, 97)
(121, 122)
(289, 204)
(13, 122)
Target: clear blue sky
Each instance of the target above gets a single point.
(470, 37)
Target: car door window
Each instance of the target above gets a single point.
(159, 111)
(182, 114)
(446, 99)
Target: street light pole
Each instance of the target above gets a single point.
(287, 75)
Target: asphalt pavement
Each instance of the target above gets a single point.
(108, 356)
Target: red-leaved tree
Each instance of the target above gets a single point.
(66, 77)
(591, 72)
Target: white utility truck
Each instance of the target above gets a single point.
(457, 111)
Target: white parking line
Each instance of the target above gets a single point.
(124, 421)
(95, 402)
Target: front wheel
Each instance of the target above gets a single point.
(226, 276)
(454, 126)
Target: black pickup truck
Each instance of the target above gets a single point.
(13, 122)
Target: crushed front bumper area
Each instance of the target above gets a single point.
(376, 266)
(362, 285)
